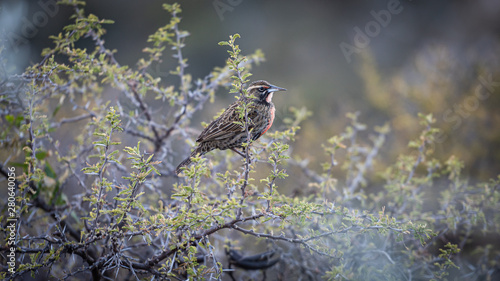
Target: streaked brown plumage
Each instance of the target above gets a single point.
(223, 133)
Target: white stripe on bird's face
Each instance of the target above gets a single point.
(269, 97)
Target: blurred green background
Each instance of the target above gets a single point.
(388, 60)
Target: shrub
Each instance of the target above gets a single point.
(97, 196)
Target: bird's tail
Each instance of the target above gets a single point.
(188, 161)
(184, 163)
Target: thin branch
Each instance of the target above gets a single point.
(72, 119)
(168, 252)
(294, 240)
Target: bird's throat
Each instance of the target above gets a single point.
(269, 97)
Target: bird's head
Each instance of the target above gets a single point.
(263, 91)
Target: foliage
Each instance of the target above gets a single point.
(97, 196)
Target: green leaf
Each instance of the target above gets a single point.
(41, 154)
(9, 118)
(49, 171)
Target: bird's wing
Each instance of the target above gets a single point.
(224, 126)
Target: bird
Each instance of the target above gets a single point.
(228, 131)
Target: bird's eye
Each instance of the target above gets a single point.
(262, 89)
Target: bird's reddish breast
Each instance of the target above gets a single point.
(271, 119)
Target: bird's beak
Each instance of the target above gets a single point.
(273, 88)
